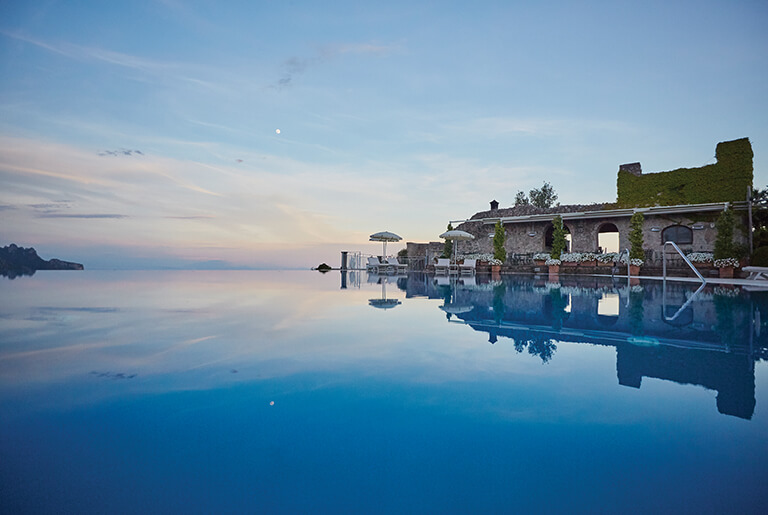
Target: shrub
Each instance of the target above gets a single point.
(499, 237)
(448, 246)
(759, 257)
(558, 238)
(636, 237)
(724, 239)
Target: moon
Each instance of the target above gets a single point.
(277, 131)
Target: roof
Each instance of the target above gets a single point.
(522, 214)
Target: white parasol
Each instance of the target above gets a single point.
(384, 237)
(456, 235)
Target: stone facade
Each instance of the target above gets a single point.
(526, 236)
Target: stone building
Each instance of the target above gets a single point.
(680, 206)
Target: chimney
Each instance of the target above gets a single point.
(633, 168)
(494, 205)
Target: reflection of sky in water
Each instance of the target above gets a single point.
(155, 390)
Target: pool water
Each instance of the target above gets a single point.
(297, 392)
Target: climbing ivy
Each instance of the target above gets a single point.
(725, 181)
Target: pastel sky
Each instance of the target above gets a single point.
(144, 134)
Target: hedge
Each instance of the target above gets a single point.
(725, 181)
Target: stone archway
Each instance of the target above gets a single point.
(608, 237)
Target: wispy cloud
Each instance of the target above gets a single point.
(121, 152)
(81, 215)
(295, 66)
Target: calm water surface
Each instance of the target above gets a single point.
(296, 392)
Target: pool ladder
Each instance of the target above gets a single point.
(664, 285)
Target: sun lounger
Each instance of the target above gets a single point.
(396, 265)
(443, 266)
(376, 266)
(468, 267)
(757, 272)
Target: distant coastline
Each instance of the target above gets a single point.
(16, 261)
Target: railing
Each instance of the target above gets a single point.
(685, 259)
(664, 284)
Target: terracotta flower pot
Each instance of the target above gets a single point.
(726, 272)
(495, 269)
(634, 270)
(554, 269)
(589, 263)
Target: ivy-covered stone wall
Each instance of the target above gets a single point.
(725, 181)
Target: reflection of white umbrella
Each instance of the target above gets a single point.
(383, 302)
(384, 237)
(456, 235)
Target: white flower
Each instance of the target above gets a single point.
(722, 263)
(608, 257)
(541, 256)
(700, 257)
(551, 261)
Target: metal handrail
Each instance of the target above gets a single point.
(685, 258)
(664, 284)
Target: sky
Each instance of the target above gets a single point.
(209, 134)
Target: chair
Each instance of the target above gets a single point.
(396, 265)
(756, 272)
(443, 266)
(468, 267)
(374, 265)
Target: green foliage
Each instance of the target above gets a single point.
(542, 197)
(725, 181)
(760, 217)
(499, 237)
(636, 236)
(558, 238)
(759, 257)
(448, 246)
(724, 239)
(402, 253)
(521, 199)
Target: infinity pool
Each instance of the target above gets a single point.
(297, 392)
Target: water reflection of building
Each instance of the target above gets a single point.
(712, 341)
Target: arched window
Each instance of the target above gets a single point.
(679, 234)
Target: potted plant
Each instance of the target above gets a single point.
(499, 252)
(540, 258)
(724, 258)
(701, 260)
(636, 252)
(588, 259)
(554, 266)
(569, 259)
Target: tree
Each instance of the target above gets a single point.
(558, 238)
(724, 239)
(760, 217)
(636, 236)
(542, 197)
(521, 199)
(499, 237)
(448, 245)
